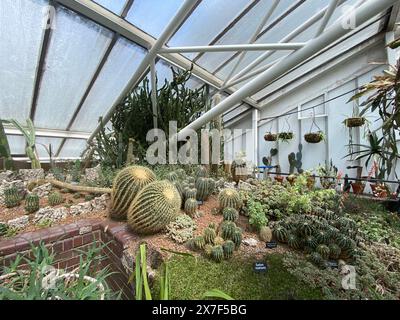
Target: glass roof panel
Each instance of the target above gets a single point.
(76, 48)
(116, 73)
(72, 148)
(115, 6)
(206, 22)
(40, 141)
(17, 144)
(153, 16)
(21, 34)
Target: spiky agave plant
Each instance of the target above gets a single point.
(156, 205)
(126, 186)
(32, 203)
(229, 198)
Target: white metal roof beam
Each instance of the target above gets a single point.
(328, 14)
(362, 14)
(235, 47)
(50, 133)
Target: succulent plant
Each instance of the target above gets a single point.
(191, 207)
(345, 243)
(126, 186)
(217, 253)
(237, 237)
(201, 172)
(55, 198)
(12, 197)
(219, 241)
(155, 206)
(32, 203)
(199, 242)
(265, 234)
(306, 228)
(227, 229)
(179, 188)
(190, 193)
(89, 197)
(323, 250)
(3, 229)
(317, 259)
(293, 241)
(203, 188)
(230, 214)
(228, 247)
(172, 176)
(209, 235)
(181, 173)
(229, 198)
(322, 237)
(280, 233)
(334, 251)
(310, 241)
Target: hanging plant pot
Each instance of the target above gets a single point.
(358, 187)
(314, 137)
(284, 136)
(354, 122)
(270, 136)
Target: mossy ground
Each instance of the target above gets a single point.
(192, 277)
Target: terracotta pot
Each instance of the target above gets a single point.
(291, 179)
(358, 187)
(279, 179)
(373, 187)
(310, 182)
(354, 122)
(327, 182)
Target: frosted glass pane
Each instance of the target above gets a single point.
(21, 34)
(207, 21)
(242, 32)
(115, 6)
(153, 16)
(72, 148)
(76, 48)
(116, 73)
(17, 144)
(40, 141)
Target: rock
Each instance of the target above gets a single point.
(245, 186)
(92, 174)
(6, 176)
(81, 208)
(18, 223)
(19, 184)
(31, 174)
(50, 214)
(100, 203)
(42, 190)
(251, 242)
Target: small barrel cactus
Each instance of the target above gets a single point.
(293, 241)
(306, 228)
(228, 229)
(12, 197)
(181, 173)
(265, 234)
(32, 203)
(199, 243)
(126, 186)
(237, 237)
(323, 250)
(201, 172)
(209, 235)
(316, 259)
(203, 191)
(219, 241)
(191, 207)
(172, 176)
(230, 214)
(334, 251)
(229, 198)
(55, 198)
(310, 242)
(322, 237)
(280, 233)
(178, 187)
(228, 247)
(89, 197)
(155, 206)
(208, 249)
(217, 253)
(190, 193)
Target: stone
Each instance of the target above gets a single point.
(19, 184)
(81, 208)
(92, 174)
(251, 242)
(31, 174)
(6, 176)
(18, 223)
(43, 190)
(100, 203)
(85, 229)
(50, 214)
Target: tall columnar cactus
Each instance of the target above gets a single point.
(191, 207)
(229, 198)
(5, 149)
(126, 186)
(156, 205)
(32, 203)
(299, 157)
(55, 198)
(203, 188)
(12, 197)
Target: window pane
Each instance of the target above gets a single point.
(21, 34)
(76, 48)
(40, 141)
(17, 144)
(115, 6)
(72, 148)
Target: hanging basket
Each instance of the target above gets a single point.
(314, 137)
(285, 136)
(354, 122)
(270, 136)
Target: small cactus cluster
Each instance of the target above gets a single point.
(32, 203)
(318, 237)
(55, 198)
(126, 186)
(12, 198)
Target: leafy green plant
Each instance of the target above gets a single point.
(257, 218)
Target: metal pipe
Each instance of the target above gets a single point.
(361, 14)
(235, 47)
(328, 14)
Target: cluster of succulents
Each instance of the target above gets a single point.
(181, 229)
(319, 237)
(12, 197)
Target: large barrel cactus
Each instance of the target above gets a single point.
(229, 198)
(126, 186)
(156, 205)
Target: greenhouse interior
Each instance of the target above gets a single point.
(199, 150)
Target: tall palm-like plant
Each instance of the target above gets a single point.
(30, 137)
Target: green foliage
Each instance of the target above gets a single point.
(32, 203)
(55, 198)
(257, 218)
(156, 205)
(75, 171)
(181, 229)
(12, 198)
(127, 185)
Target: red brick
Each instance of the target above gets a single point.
(87, 238)
(78, 241)
(68, 244)
(7, 247)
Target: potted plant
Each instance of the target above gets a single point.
(314, 137)
(278, 177)
(285, 136)
(270, 136)
(239, 167)
(327, 175)
(357, 186)
(381, 190)
(354, 122)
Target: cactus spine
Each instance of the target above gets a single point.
(229, 198)
(156, 205)
(32, 203)
(126, 186)
(199, 243)
(265, 234)
(191, 207)
(12, 197)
